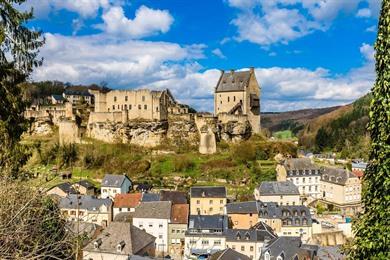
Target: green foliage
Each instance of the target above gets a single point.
(244, 152)
(183, 163)
(18, 55)
(372, 227)
(286, 134)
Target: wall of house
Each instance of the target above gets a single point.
(199, 242)
(250, 249)
(307, 185)
(109, 192)
(281, 173)
(274, 223)
(116, 210)
(176, 237)
(243, 221)
(56, 191)
(341, 194)
(157, 228)
(102, 216)
(207, 206)
(296, 231)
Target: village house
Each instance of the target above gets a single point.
(206, 200)
(115, 184)
(280, 192)
(303, 173)
(341, 188)
(57, 99)
(176, 230)
(87, 209)
(62, 190)
(281, 248)
(243, 215)
(249, 241)
(176, 197)
(78, 94)
(228, 254)
(205, 235)
(154, 217)
(150, 196)
(359, 168)
(120, 241)
(287, 220)
(238, 93)
(126, 202)
(84, 187)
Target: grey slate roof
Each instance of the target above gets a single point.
(243, 207)
(250, 235)
(58, 97)
(300, 164)
(155, 209)
(86, 184)
(149, 197)
(208, 192)
(288, 247)
(228, 254)
(278, 188)
(215, 222)
(86, 202)
(67, 188)
(134, 239)
(177, 197)
(233, 81)
(290, 215)
(114, 181)
(336, 175)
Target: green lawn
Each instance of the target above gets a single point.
(286, 134)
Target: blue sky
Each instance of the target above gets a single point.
(306, 53)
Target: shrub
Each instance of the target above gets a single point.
(244, 152)
(182, 163)
(215, 164)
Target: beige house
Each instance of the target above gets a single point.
(243, 215)
(287, 220)
(87, 209)
(303, 173)
(340, 187)
(280, 192)
(84, 187)
(176, 230)
(120, 241)
(62, 190)
(238, 93)
(123, 105)
(206, 200)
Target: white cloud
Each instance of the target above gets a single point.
(371, 29)
(146, 22)
(364, 13)
(367, 51)
(217, 52)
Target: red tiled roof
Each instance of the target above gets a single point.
(129, 200)
(179, 214)
(358, 173)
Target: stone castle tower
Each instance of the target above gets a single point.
(238, 93)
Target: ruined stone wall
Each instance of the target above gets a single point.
(42, 113)
(69, 132)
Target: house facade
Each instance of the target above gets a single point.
(78, 94)
(115, 184)
(87, 209)
(84, 187)
(303, 173)
(205, 235)
(176, 230)
(126, 203)
(206, 200)
(280, 192)
(238, 93)
(154, 218)
(243, 215)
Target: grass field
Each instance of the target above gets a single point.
(283, 135)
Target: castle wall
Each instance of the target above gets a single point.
(54, 113)
(254, 113)
(225, 118)
(225, 101)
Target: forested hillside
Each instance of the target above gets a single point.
(342, 130)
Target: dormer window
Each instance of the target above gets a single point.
(114, 99)
(120, 246)
(247, 237)
(238, 237)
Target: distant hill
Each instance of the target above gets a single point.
(292, 120)
(341, 130)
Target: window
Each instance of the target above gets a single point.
(303, 179)
(145, 107)
(228, 99)
(192, 241)
(205, 242)
(221, 202)
(198, 202)
(210, 210)
(233, 247)
(160, 225)
(150, 225)
(242, 248)
(217, 242)
(234, 98)
(120, 209)
(139, 106)
(126, 98)
(251, 248)
(211, 202)
(125, 107)
(130, 107)
(114, 99)
(160, 236)
(118, 106)
(113, 107)
(143, 98)
(156, 109)
(140, 225)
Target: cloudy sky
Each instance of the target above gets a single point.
(307, 53)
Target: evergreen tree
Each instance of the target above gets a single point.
(18, 56)
(372, 227)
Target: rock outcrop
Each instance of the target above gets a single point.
(41, 128)
(234, 131)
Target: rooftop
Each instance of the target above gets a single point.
(290, 215)
(219, 222)
(180, 213)
(127, 200)
(132, 239)
(243, 207)
(336, 175)
(260, 232)
(228, 254)
(176, 197)
(288, 247)
(208, 192)
(115, 181)
(66, 187)
(233, 81)
(86, 202)
(278, 188)
(148, 197)
(300, 164)
(86, 184)
(155, 209)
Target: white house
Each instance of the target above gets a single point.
(154, 217)
(115, 184)
(280, 192)
(86, 208)
(126, 202)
